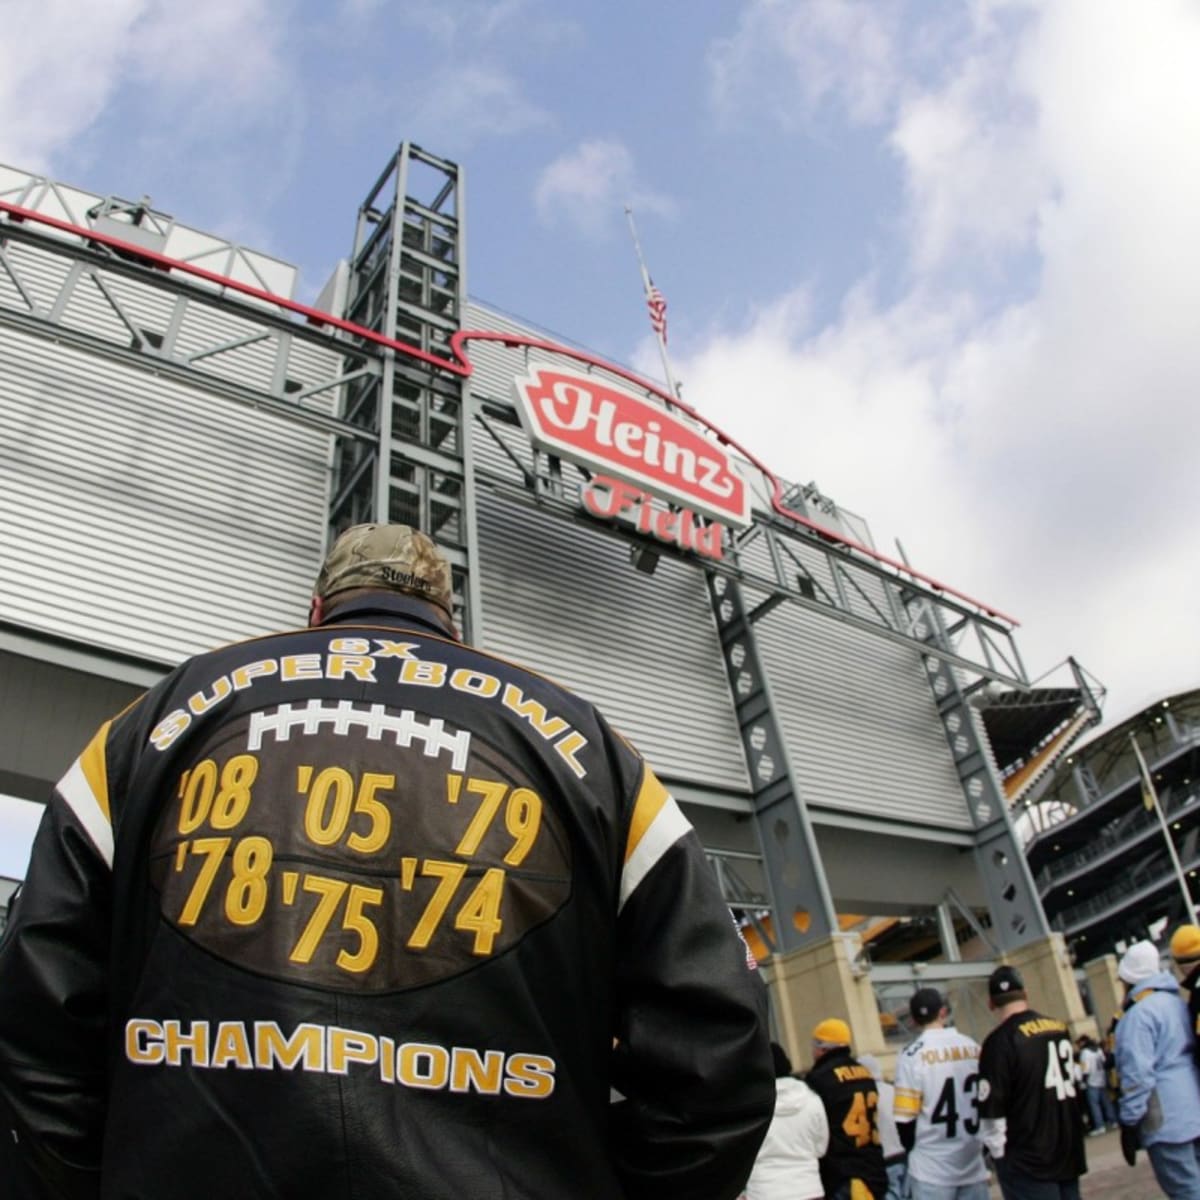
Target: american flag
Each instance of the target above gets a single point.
(657, 304)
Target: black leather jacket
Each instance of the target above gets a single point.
(358, 911)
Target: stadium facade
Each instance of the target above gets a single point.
(180, 437)
(1109, 868)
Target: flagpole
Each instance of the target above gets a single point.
(648, 288)
(1150, 794)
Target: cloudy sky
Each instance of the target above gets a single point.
(940, 257)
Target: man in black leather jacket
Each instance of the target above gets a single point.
(359, 911)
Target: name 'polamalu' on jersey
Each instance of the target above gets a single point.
(937, 1080)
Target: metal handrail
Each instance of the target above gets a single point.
(1132, 826)
(1149, 874)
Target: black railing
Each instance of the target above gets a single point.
(1149, 875)
(1117, 836)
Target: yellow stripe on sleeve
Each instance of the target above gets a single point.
(907, 1102)
(656, 825)
(650, 800)
(84, 788)
(95, 770)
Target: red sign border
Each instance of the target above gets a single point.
(536, 430)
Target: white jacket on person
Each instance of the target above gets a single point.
(787, 1164)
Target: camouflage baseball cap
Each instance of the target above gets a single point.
(395, 557)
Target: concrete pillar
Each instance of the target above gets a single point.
(824, 980)
(1045, 965)
(1107, 990)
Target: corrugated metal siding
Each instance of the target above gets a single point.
(859, 720)
(565, 600)
(143, 516)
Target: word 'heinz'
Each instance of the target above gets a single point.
(590, 422)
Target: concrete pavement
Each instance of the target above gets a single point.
(1108, 1178)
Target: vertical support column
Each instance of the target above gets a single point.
(1107, 991)
(1045, 966)
(801, 903)
(819, 980)
(1016, 909)
(407, 280)
(946, 933)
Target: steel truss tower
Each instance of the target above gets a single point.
(407, 282)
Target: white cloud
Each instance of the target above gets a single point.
(786, 60)
(229, 52)
(590, 186)
(1038, 453)
(975, 173)
(484, 102)
(59, 64)
(207, 89)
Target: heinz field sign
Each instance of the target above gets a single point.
(611, 431)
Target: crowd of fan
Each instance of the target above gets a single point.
(1016, 1109)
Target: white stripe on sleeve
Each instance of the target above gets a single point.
(668, 826)
(77, 792)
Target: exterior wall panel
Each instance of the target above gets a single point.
(566, 602)
(146, 517)
(859, 719)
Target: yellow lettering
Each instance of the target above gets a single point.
(336, 1049)
(307, 1043)
(422, 673)
(230, 1045)
(169, 728)
(139, 1047)
(475, 682)
(387, 1060)
(341, 665)
(533, 712)
(530, 1075)
(177, 1042)
(350, 645)
(245, 675)
(199, 703)
(388, 649)
(423, 1065)
(300, 666)
(472, 1071)
(567, 747)
(845, 1074)
(347, 1046)
(1041, 1025)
